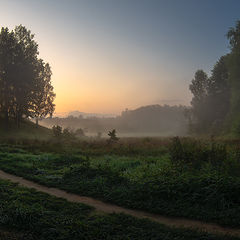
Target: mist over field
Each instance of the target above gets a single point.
(154, 120)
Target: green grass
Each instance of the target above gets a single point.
(186, 183)
(31, 215)
(27, 130)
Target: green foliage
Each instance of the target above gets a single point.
(57, 131)
(234, 75)
(25, 80)
(216, 100)
(199, 88)
(113, 136)
(194, 154)
(68, 134)
(211, 99)
(63, 134)
(79, 132)
(195, 179)
(38, 216)
(27, 132)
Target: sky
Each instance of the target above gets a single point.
(109, 55)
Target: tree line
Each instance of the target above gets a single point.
(25, 79)
(215, 106)
(152, 119)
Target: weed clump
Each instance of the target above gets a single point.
(190, 153)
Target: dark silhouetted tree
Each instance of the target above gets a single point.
(219, 94)
(211, 99)
(25, 86)
(234, 76)
(57, 131)
(113, 136)
(200, 90)
(80, 132)
(43, 97)
(26, 72)
(8, 51)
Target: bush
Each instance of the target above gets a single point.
(194, 154)
(68, 135)
(113, 136)
(57, 131)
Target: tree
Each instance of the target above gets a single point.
(57, 131)
(7, 67)
(234, 75)
(200, 90)
(80, 132)
(211, 99)
(25, 72)
(42, 100)
(25, 86)
(68, 134)
(219, 93)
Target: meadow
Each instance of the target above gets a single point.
(29, 215)
(187, 177)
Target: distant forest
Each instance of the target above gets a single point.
(151, 120)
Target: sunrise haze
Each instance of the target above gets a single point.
(110, 55)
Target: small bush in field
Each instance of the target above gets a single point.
(57, 131)
(176, 151)
(192, 153)
(68, 134)
(80, 132)
(218, 155)
(113, 136)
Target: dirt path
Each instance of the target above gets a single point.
(110, 208)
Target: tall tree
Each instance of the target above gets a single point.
(26, 72)
(219, 94)
(42, 102)
(25, 80)
(7, 66)
(234, 76)
(200, 90)
(211, 99)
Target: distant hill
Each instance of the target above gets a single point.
(165, 120)
(85, 115)
(151, 120)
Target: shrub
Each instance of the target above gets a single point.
(192, 153)
(57, 131)
(113, 136)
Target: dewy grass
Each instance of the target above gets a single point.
(193, 186)
(38, 216)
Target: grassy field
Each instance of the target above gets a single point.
(30, 215)
(176, 177)
(27, 130)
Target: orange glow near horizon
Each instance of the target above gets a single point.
(95, 68)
